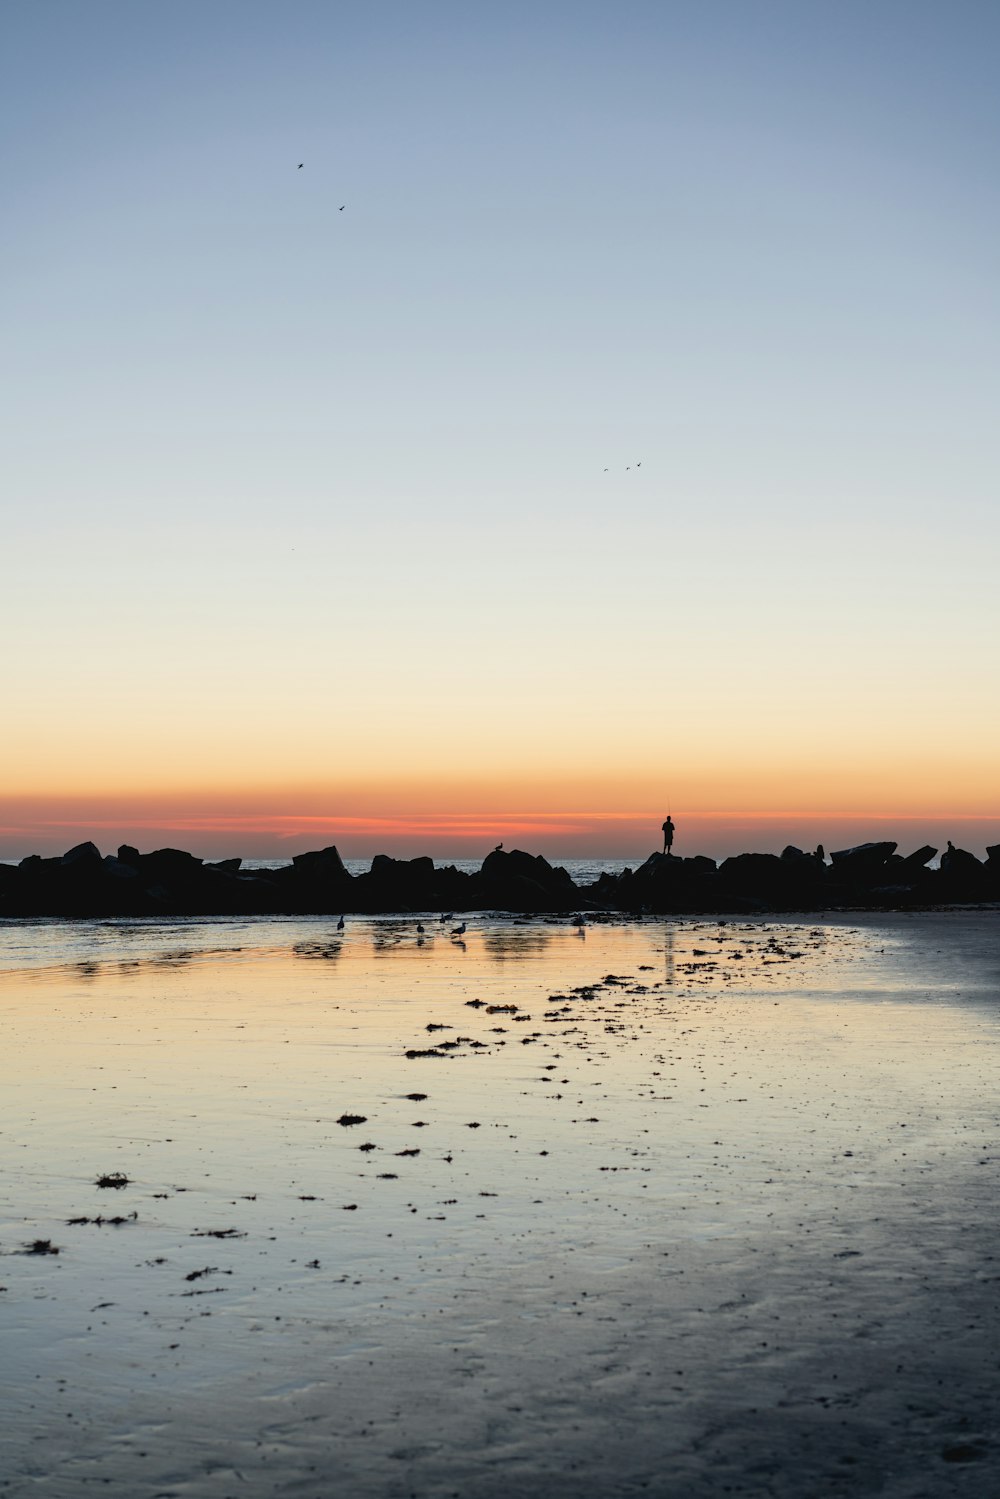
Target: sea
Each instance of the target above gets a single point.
(581, 871)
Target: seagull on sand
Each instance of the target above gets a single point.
(340, 924)
(448, 916)
(580, 922)
(458, 931)
(420, 929)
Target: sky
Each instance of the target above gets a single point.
(625, 442)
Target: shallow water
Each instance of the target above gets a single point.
(684, 1222)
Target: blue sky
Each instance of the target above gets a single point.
(270, 461)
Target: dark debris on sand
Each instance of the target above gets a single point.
(114, 1179)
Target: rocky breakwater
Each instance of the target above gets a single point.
(868, 876)
(172, 882)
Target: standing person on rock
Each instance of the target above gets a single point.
(668, 834)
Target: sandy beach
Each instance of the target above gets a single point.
(675, 1207)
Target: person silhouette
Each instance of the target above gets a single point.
(668, 834)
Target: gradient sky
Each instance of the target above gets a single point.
(307, 532)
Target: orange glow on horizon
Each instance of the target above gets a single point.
(30, 825)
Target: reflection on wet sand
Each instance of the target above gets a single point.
(669, 961)
(516, 944)
(105, 968)
(325, 951)
(663, 1211)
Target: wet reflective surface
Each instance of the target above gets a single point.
(663, 1207)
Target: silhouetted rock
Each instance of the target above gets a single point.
(315, 884)
(417, 872)
(323, 863)
(805, 866)
(169, 865)
(963, 876)
(516, 881)
(960, 861)
(777, 882)
(82, 854)
(920, 857)
(397, 885)
(172, 882)
(865, 861)
(665, 883)
(503, 865)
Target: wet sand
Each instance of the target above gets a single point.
(711, 1211)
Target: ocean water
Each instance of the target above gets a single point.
(581, 871)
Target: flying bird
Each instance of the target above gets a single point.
(300, 166)
(342, 207)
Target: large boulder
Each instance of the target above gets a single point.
(83, 856)
(963, 876)
(920, 857)
(864, 863)
(958, 861)
(666, 884)
(517, 881)
(807, 867)
(501, 865)
(317, 882)
(397, 885)
(778, 883)
(322, 863)
(169, 866)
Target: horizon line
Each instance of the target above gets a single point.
(418, 821)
